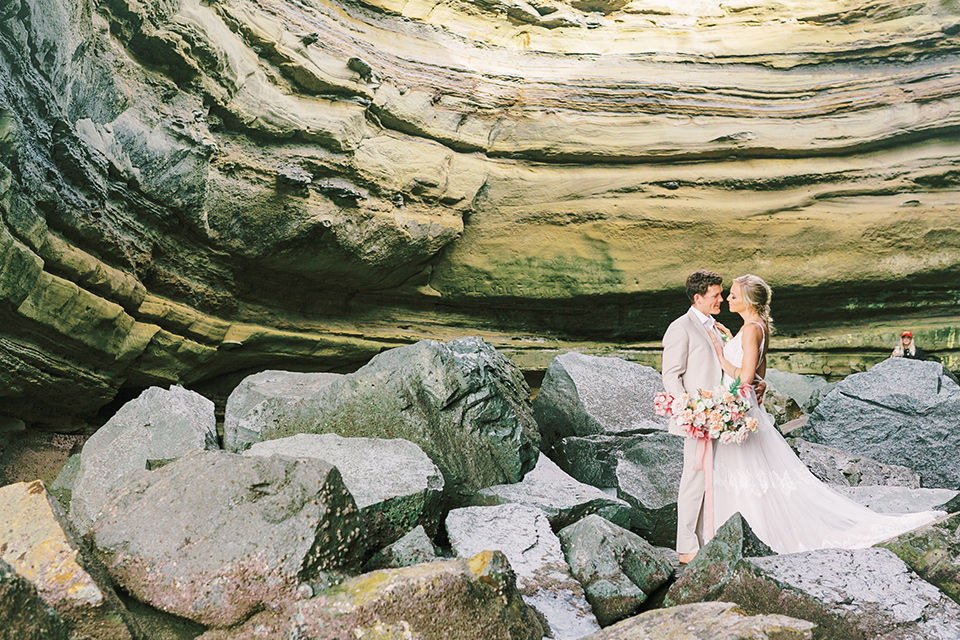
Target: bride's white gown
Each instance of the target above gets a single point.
(786, 505)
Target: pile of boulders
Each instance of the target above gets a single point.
(425, 496)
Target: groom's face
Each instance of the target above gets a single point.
(709, 303)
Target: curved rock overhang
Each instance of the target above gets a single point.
(194, 190)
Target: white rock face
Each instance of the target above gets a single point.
(523, 534)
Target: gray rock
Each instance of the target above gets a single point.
(23, 614)
(62, 486)
(158, 425)
(717, 563)
(463, 403)
(899, 407)
(706, 621)
(933, 552)
(267, 394)
(523, 534)
(562, 498)
(886, 499)
(781, 407)
(584, 395)
(216, 536)
(836, 467)
(592, 459)
(414, 548)
(806, 390)
(394, 483)
(618, 569)
(648, 477)
(862, 593)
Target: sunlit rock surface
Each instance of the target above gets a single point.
(191, 191)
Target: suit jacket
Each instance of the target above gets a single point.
(689, 360)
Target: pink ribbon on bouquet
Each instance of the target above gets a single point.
(703, 460)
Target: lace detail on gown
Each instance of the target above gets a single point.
(786, 505)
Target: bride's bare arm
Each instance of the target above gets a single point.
(752, 335)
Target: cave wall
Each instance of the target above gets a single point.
(194, 190)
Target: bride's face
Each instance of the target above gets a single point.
(734, 300)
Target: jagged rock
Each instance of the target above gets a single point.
(216, 536)
(159, 425)
(523, 534)
(592, 459)
(706, 621)
(618, 569)
(885, 499)
(862, 593)
(933, 552)
(717, 563)
(461, 402)
(648, 478)
(415, 547)
(36, 544)
(585, 395)
(394, 483)
(898, 406)
(836, 467)
(467, 599)
(806, 390)
(62, 486)
(562, 498)
(23, 613)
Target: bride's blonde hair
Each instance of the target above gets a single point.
(757, 294)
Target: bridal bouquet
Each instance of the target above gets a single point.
(719, 414)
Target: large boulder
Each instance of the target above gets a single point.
(23, 613)
(464, 599)
(592, 459)
(862, 593)
(836, 467)
(394, 483)
(898, 407)
(562, 498)
(216, 536)
(648, 478)
(933, 552)
(706, 621)
(618, 569)
(38, 545)
(584, 395)
(523, 534)
(159, 425)
(463, 403)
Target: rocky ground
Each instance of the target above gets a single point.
(425, 496)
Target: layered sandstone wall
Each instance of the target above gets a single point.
(193, 190)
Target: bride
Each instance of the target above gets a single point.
(786, 506)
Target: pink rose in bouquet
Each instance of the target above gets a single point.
(719, 414)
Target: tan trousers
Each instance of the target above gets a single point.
(690, 502)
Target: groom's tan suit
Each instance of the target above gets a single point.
(689, 363)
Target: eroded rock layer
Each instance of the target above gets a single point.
(194, 190)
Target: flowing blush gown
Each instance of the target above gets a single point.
(787, 506)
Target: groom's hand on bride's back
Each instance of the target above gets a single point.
(760, 388)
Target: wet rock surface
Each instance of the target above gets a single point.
(933, 552)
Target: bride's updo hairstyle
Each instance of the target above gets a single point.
(757, 294)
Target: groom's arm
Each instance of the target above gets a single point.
(675, 346)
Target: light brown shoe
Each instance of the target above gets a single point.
(687, 557)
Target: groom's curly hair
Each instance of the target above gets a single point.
(701, 280)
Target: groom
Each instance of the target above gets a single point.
(690, 363)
